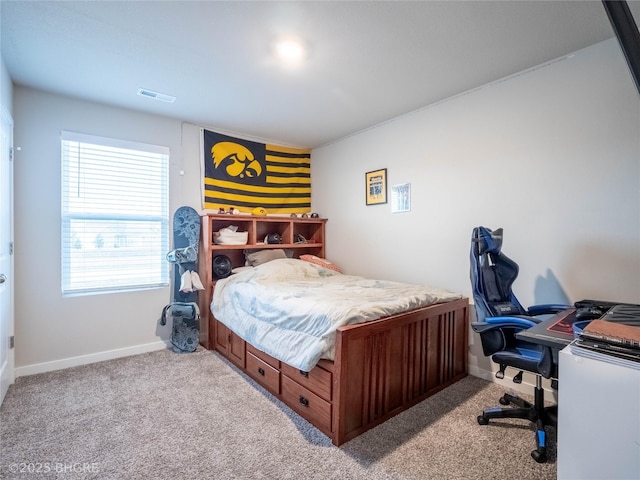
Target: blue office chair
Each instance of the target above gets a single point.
(499, 317)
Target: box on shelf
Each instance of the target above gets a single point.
(229, 236)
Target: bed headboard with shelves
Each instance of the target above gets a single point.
(299, 236)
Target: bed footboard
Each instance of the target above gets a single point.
(380, 369)
(386, 366)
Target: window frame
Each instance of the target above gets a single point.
(161, 219)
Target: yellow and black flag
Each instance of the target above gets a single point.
(243, 174)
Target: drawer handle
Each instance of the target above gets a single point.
(304, 374)
(304, 401)
(261, 371)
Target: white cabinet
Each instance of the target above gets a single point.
(598, 420)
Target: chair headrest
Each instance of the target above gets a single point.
(489, 241)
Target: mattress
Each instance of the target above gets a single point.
(291, 309)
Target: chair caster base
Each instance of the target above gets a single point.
(521, 409)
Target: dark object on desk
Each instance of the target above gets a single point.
(499, 318)
(599, 304)
(584, 310)
(590, 309)
(588, 313)
(624, 313)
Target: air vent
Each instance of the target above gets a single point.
(155, 95)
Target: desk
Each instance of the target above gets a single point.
(561, 336)
(541, 335)
(598, 416)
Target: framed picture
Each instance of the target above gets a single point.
(401, 198)
(376, 186)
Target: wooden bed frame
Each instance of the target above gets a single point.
(380, 369)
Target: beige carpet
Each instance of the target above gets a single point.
(194, 416)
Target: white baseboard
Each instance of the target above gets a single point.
(86, 359)
(527, 386)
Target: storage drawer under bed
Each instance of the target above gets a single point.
(263, 373)
(274, 362)
(307, 404)
(317, 380)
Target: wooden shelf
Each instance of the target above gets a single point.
(259, 246)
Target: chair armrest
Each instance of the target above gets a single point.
(547, 308)
(492, 323)
(512, 321)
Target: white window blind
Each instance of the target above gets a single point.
(114, 214)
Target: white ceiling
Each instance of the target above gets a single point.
(368, 61)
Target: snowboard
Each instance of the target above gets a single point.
(184, 256)
(183, 309)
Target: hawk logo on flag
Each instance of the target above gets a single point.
(243, 174)
(238, 160)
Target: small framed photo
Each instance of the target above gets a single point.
(401, 198)
(376, 186)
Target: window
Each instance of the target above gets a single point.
(114, 214)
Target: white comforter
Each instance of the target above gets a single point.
(291, 308)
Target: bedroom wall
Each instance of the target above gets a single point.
(551, 155)
(53, 331)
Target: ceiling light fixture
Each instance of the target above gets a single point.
(290, 50)
(163, 97)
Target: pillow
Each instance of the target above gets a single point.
(263, 256)
(323, 262)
